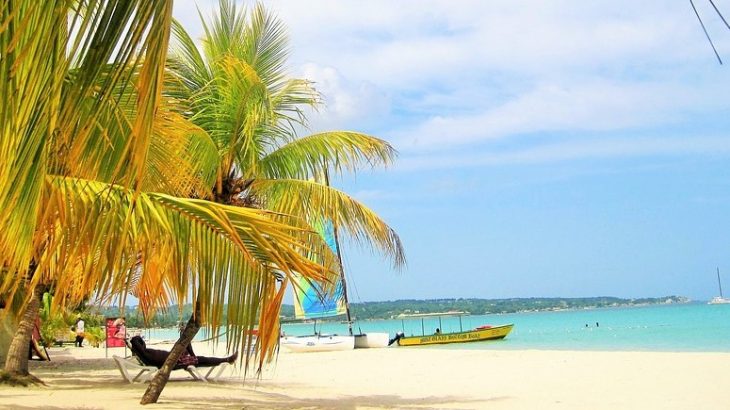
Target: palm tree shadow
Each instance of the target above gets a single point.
(233, 394)
(266, 400)
(108, 382)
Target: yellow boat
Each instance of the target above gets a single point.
(476, 335)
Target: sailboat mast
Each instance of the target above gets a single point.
(341, 266)
(719, 284)
(344, 284)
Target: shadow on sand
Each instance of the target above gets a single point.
(267, 400)
(229, 395)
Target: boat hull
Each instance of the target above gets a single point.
(476, 335)
(324, 343)
(371, 340)
(718, 300)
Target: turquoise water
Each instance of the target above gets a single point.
(687, 327)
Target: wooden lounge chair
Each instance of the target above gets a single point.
(153, 359)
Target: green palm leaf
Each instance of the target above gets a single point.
(311, 156)
(77, 42)
(217, 254)
(315, 201)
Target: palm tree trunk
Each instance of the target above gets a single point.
(16, 362)
(152, 394)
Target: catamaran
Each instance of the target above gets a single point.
(311, 303)
(719, 300)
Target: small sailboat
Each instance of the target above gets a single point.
(311, 303)
(719, 300)
(362, 340)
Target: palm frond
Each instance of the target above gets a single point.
(186, 60)
(77, 41)
(312, 155)
(181, 157)
(151, 80)
(266, 47)
(195, 250)
(288, 103)
(313, 201)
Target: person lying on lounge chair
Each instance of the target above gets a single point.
(155, 357)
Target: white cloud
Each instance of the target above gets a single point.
(415, 43)
(454, 76)
(599, 106)
(347, 104)
(595, 148)
(411, 44)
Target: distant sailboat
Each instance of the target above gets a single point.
(718, 300)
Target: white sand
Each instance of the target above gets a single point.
(402, 378)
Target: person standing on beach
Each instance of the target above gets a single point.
(79, 332)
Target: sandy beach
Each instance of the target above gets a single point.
(400, 378)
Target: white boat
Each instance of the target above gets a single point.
(311, 303)
(719, 300)
(318, 343)
(371, 340)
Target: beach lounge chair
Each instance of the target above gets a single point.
(154, 358)
(125, 365)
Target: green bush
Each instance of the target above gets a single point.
(54, 328)
(94, 335)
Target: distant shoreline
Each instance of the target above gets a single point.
(386, 310)
(471, 306)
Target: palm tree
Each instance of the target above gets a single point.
(38, 51)
(87, 188)
(238, 92)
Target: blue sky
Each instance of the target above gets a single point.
(546, 148)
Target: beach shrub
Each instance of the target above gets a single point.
(94, 335)
(54, 329)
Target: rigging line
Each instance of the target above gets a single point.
(720, 14)
(350, 281)
(353, 286)
(705, 30)
(357, 292)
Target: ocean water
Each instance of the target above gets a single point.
(695, 327)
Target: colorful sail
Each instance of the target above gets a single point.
(310, 302)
